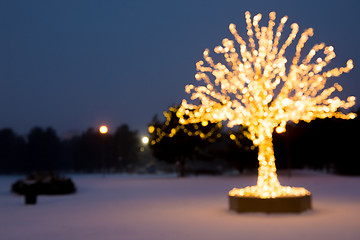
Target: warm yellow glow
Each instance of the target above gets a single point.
(191, 129)
(257, 87)
(151, 129)
(281, 191)
(145, 140)
(103, 129)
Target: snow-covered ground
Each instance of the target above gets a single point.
(165, 207)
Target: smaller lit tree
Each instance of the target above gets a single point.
(257, 88)
(174, 142)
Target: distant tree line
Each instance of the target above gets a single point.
(43, 150)
(331, 145)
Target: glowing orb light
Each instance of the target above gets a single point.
(257, 87)
(103, 129)
(145, 140)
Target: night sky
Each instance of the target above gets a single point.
(77, 64)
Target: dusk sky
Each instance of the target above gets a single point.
(75, 64)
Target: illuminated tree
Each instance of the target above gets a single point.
(257, 88)
(174, 142)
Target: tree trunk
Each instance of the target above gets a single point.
(268, 185)
(267, 178)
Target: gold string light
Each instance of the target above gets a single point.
(158, 132)
(256, 87)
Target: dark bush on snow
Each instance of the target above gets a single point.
(42, 183)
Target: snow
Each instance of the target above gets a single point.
(165, 207)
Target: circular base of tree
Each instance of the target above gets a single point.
(270, 205)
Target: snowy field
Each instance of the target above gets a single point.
(165, 207)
